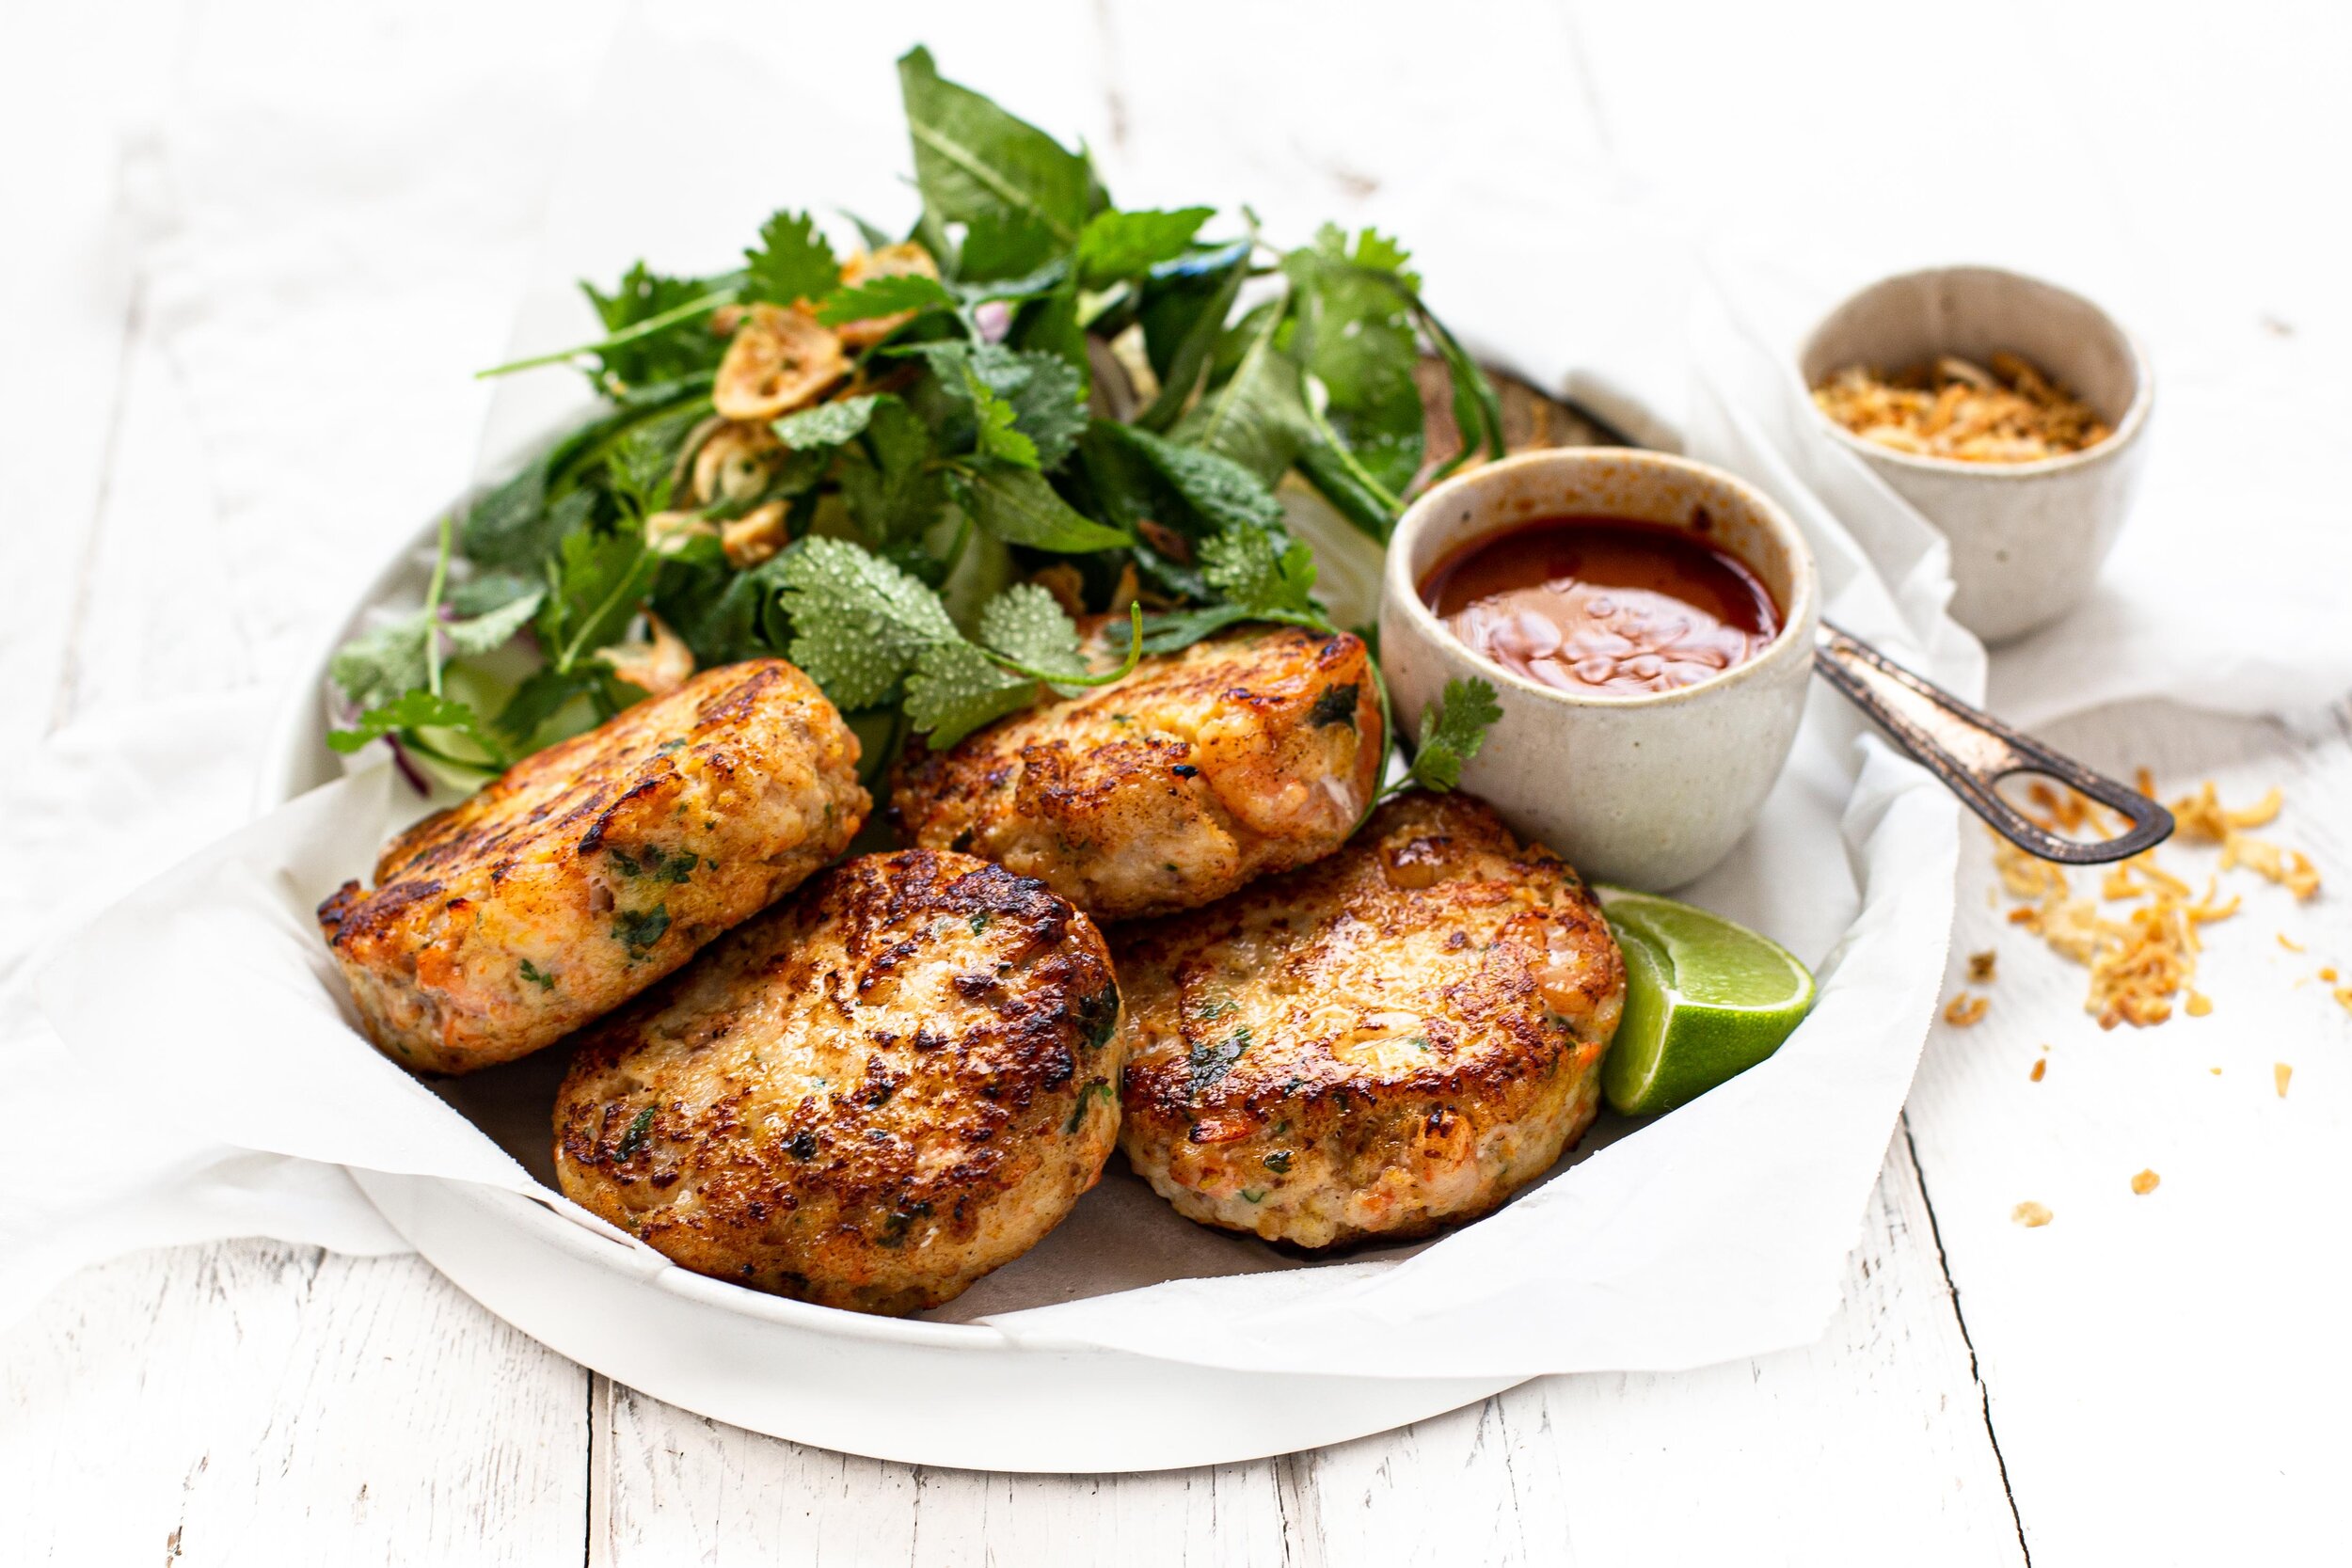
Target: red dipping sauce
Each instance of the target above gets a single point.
(1603, 607)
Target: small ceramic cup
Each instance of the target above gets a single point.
(2026, 538)
(1648, 790)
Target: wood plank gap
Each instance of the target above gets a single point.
(596, 1548)
(61, 703)
(1976, 1371)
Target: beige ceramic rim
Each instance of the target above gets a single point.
(2127, 428)
(1795, 616)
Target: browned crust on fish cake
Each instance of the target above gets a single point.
(867, 1098)
(1395, 1038)
(1246, 753)
(594, 868)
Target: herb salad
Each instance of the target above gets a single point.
(916, 468)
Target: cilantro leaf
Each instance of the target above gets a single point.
(1245, 567)
(1123, 244)
(859, 622)
(887, 480)
(792, 261)
(418, 710)
(884, 296)
(672, 348)
(1373, 249)
(1020, 194)
(597, 582)
(1452, 731)
(954, 688)
(1028, 626)
(1016, 505)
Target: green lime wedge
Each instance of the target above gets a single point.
(1704, 1000)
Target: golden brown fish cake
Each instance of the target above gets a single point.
(867, 1098)
(1246, 754)
(594, 868)
(1396, 1037)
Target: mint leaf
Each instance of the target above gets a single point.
(1016, 505)
(1123, 244)
(1225, 494)
(792, 261)
(828, 424)
(1047, 394)
(1183, 316)
(1029, 404)
(859, 622)
(1255, 417)
(954, 688)
(884, 296)
(1452, 732)
(1021, 195)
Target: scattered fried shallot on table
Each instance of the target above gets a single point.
(2139, 963)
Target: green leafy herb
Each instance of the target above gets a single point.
(1211, 1060)
(634, 1139)
(919, 495)
(655, 330)
(1098, 1088)
(533, 974)
(885, 295)
(639, 929)
(1020, 194)
(418, 710)
(653, 865)
(1018, 506)
(1125, 245)
(1335, 704)
(792, 261)
(1452, 731)
(1278, 1162)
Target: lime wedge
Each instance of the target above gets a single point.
(1704, 1000)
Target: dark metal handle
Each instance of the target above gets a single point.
(1971, 751)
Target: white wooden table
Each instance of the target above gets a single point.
(2148, 1379)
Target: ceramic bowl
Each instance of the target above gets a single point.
(1648, 790)
(2026, 538)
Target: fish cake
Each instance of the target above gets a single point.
(595, 867)
(1393, 1039)
(867, 1098)
(1249, 753)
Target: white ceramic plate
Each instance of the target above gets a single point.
(929, 1393)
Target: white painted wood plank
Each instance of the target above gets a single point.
(79, 179)
(677, 1487)
(1874, 1439)
(250, 1402)
(2185, 1345)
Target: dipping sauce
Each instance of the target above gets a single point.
(1603, 607)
